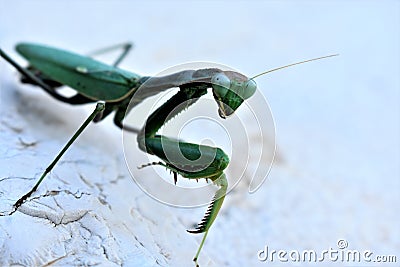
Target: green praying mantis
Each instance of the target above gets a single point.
(113, 88)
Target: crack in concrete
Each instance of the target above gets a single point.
(139, 211)
(55, 218)
(102, 197)
(137, 239)
(26, 144)
(110, 236)
(51, 193)
(119, 177)
(12, 127)
(54, 261)
(86, 182)
(15, 177)
(162, 251)
(103, 241)
(140, 243)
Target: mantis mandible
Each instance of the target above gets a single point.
(112, 88)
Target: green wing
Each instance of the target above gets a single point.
(89, 77)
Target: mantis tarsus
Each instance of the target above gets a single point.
(112, 88)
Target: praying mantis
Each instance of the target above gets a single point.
(112, 89)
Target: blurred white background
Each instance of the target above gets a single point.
(337, 120)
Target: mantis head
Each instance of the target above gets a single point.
(230, 89)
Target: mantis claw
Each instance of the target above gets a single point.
(211, 212)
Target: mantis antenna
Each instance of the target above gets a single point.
(297, 63)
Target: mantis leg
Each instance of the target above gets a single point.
(36, 80)
(191, 161)
(212, 212)
(99, 107)
(119, 117)
(126, 47)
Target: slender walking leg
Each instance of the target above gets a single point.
(99, 107)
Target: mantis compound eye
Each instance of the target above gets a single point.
(249, 89)
(220, 84)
